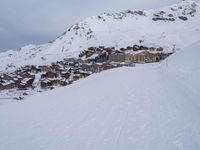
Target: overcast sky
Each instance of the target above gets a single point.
(38, 21)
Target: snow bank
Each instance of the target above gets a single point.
(144, 107)
(185, 66)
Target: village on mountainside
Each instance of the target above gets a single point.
(92, 60)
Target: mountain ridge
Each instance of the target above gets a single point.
(114, 29)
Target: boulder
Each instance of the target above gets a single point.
(183, 18)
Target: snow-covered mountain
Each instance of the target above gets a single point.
(152, 106)
(113, 110)
(172, 26)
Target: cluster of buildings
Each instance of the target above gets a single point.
(134, 54)
(92, 60)
(60, 73)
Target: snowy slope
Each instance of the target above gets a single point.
(146, 107)
(113, 29)
(186, 67)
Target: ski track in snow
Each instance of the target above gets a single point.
(107, 111)
(147, 107)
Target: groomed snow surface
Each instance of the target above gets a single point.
(147, 107)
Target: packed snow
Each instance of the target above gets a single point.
(113, 29)
(150, 106)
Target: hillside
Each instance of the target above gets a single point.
(169, 27)
(150, 106)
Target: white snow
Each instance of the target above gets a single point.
(147, 107)
(25, 80)
(111, 32)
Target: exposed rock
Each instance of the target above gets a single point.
(183, 18)
(163, 19)
(159, 49)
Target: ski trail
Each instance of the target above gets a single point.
(125, 108)
(121, 128)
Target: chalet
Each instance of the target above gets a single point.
(1, 86)
(7, 77)
(74, 69)
(25, 68)
(8, 81)
(34, 69)
(136, 47)
(44, 68)
(48, 83)
(143, 47)
(83, 53)
(98, 57)
(8, 84)
(117, 57)
(80, 61)
(77, 76)
(17, 80)
(80, 74)
(72, 62)
(102, 57)
(123, 49)
(26, 75)
(84, 74)
(55, 67)
(49, 74)
(65, 74)
(160, 49)
(92, 48)
(98, 51)
(89, 53)
(152, 48)
(18, 71)
(109, 50)
(129, 48)
(77, 71)
(106, 66)
(26, 83)
(45, 83)
(64, 82)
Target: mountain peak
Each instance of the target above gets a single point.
(166, 27)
